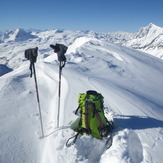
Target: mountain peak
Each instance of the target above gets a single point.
(148, 30)
(148, 39)
(17, 35)
(151, 25)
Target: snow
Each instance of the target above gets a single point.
(129, 80)
(148, 39)
(16, 35)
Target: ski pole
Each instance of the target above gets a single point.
(61, 65)
(31, 55)
(38, 99)
(59, 94)
(60, 50)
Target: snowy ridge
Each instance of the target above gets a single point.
(148, 39)
(129, 80)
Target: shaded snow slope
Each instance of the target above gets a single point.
(130, 81)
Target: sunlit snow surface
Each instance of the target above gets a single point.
(130, 81)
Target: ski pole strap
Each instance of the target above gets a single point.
(30, 67)
(73, 142)
(62, 64)
(109, 141)
(81, 131)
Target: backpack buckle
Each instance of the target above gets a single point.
(104, 131)
(90, 101)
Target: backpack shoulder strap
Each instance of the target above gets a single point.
(81, 100)
(85, 118)
(96, 114)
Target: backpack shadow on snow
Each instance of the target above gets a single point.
(138, 122)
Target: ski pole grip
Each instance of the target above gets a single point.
(56, 48)
(60, 49)
(31, 54)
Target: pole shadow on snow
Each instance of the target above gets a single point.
(138, 122)
(57, 129)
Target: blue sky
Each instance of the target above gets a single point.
(96, 15)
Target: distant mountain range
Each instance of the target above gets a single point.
(148, 39)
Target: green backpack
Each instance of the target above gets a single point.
(92, 120)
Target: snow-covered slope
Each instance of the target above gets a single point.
(148, 39)
(129, 80)
(120, 37)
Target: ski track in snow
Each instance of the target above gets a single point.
(51, 132)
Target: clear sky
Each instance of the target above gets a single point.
(96, 15)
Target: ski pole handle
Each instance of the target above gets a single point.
(60, 49)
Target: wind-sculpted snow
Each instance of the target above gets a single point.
(130, 81)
